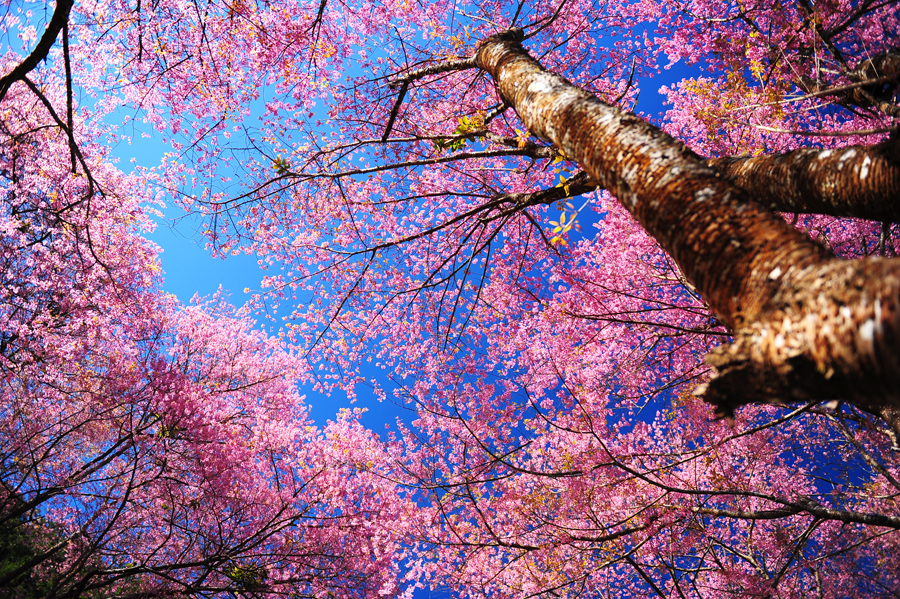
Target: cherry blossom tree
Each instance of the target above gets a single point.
(558, 434)
(420, 173)
(151, 448)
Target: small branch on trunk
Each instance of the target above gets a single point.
(449, 66)
(402, 84)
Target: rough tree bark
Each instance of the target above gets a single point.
(857, 181)
(806, 325)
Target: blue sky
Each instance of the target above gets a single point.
(188, 266)
(190, 269)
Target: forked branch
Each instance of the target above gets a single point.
(806, 325)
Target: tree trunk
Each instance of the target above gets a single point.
(806, 325)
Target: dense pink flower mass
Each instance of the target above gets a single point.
(148, 447)
(420, 239)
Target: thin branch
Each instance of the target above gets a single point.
(629, 83)
(877, 131)
(831, 91)
(394, 111)
(70, 119)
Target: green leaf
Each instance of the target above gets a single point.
(281, 166)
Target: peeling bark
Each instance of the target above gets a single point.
(857, 181)
(807, 325)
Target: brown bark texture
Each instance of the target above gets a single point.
(857, 181)
(806, 325)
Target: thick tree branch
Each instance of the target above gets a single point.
(809, 507)
(876, 95)
(57, 21)
(394, 111)
(858, 181)
(402, 84)
(806, 325)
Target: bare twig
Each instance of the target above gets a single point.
(831, 91)
(816, 133)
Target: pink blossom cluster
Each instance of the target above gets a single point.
(556, 447)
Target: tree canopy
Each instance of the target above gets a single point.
(646, 354)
